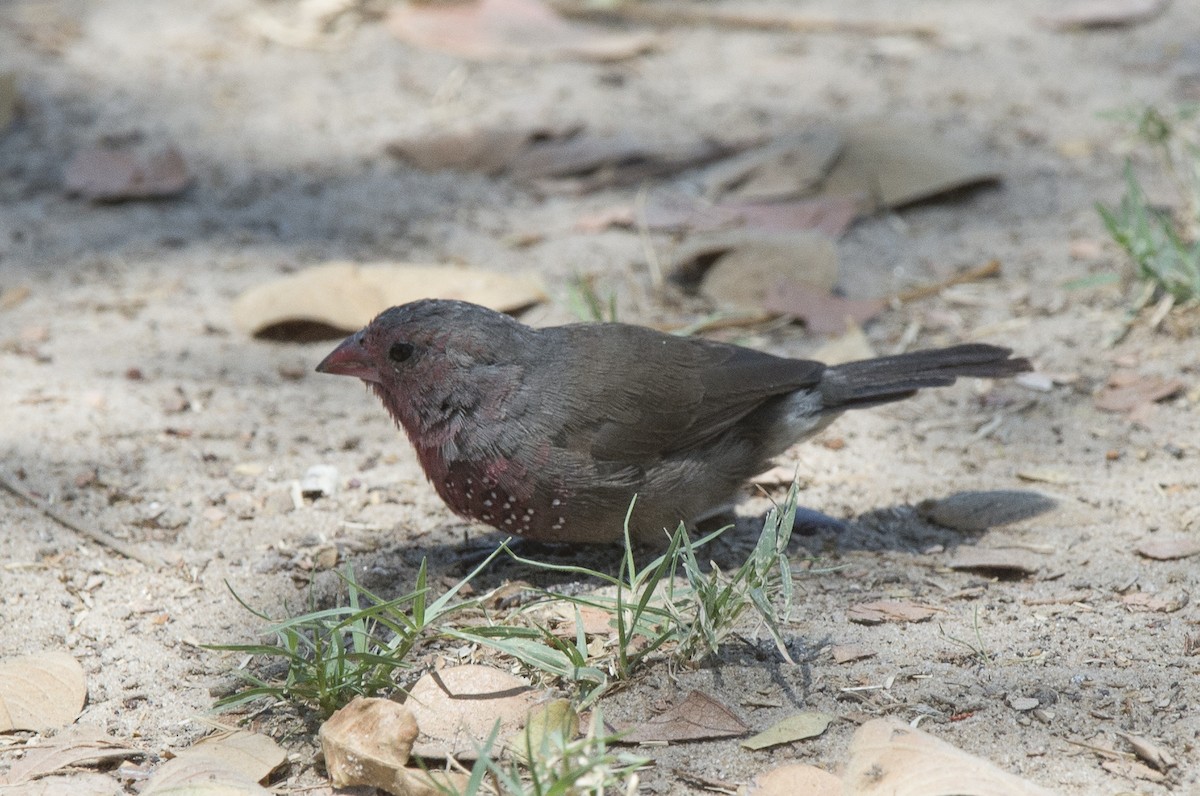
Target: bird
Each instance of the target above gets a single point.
(550, 433)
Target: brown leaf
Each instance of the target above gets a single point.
(457, 708)
(799, 727)
(794, 779)
(40, 692)
(1132, 769)
(788, 168)
(844, 653)
(1087, 14)
(368, 742)
(742, 267)
(510, 30)
(880, 611)
(821, 311)
(995, 559)
(108, 174)
(586, 163)
(1158, 603)
(888, 757)
(892, 166)
(232, 763)
(828, 215)
(332, 300)
(1169, 548)
(74, 747)
(975, 511)
(698, 717)
(80, 783)
(1122, 395)
(1151, 752)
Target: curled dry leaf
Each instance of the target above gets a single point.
(821, 311)
(808, 724)
(80, 783)
(74, 747)
(891, 166)
(1158, 603)
(1004, 560)
(231, 763)
(698, 717)
(1169, 548)
(509, 30)
(887, 757)
(844, 653)
(1151, 752)
(794, 779)
(880, 611)
(827, 215)
(41, 692)
(975, 511)
(1127, 391)
(369, 742)
(335, 299)
(457, 709)
(548, 728)
(787, 168)
(107, 174)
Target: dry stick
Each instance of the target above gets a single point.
(98, 536)
(689, 14)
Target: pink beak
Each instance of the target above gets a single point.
(350, 359)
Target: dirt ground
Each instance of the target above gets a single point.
(129, 398)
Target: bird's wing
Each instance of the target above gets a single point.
(632, 395)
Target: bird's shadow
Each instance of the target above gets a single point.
(902, 527)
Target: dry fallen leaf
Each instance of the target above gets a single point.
(1169, 548)
(232, 763)
(76, 746)
(844, 653)
(457, 709)
(109, 174)
(698, 717)
(368, 743)
(1127, 391)
(787, 168)
(975, 511)
(892, 166)
(1152, 753)
(821, 311)
(510, 29)
(40, 692)
(796, 779)
(486, 149)
(880, 611)
(1085, 14)
(890, 758)
(1158, 603)
(995, 559)
(548, 729)
(80, 783)
(827, 215)
(338, 298)
(808, 724)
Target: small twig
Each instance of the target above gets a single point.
(96, 535)
(985, 271)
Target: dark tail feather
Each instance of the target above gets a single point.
(877, 381)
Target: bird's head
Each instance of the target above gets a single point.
(430, 359)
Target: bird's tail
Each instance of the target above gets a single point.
(878, 381)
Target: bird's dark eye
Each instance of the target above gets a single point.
(400, 351)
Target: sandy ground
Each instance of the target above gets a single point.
(128, 397)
